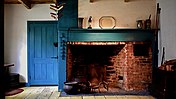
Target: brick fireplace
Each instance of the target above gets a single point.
(128, 64)
(122, 57)
(125, 65)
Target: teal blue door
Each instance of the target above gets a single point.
(42, 53)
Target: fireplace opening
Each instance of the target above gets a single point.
(141, 49)
(112, 62)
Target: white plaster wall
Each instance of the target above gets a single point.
(167, 35)
(125, 13)
(15, 36)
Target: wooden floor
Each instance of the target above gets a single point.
(51, 92)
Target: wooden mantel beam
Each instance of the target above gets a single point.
(26, 3)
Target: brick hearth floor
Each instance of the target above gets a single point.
(110, 92)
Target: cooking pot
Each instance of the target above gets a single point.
(71, 87)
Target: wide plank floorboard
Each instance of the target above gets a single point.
(35, 93)
(51, 92)
(55, 94)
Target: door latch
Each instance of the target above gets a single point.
(55, 57)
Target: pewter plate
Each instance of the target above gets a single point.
(107, 22)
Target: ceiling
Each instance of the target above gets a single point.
(27, 3)
(31, 1)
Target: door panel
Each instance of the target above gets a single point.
(43, 68)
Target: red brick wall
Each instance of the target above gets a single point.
(135, 71)
(138, 70)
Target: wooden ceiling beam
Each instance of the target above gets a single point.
(55, 1)
(26, 3)
(91, 1)
(11, 2)
(42, 1)
(31, 1)
(126, 0)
